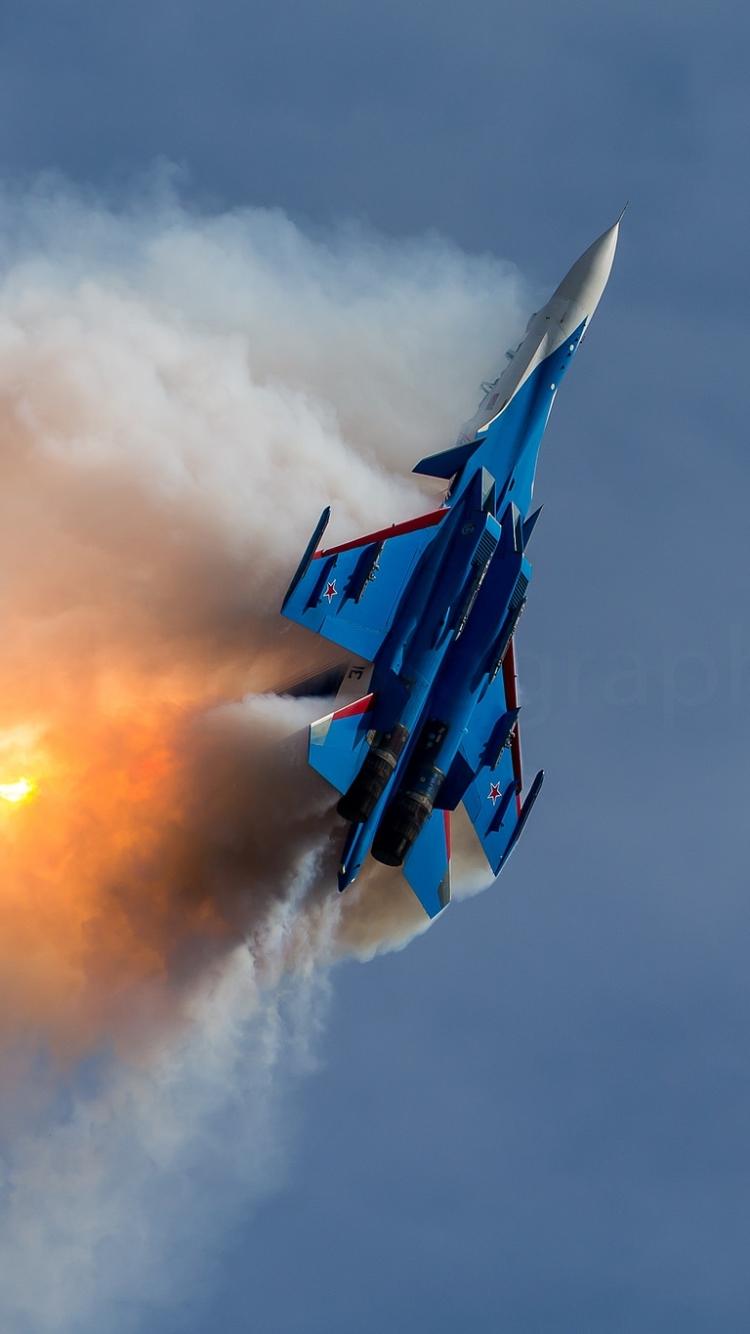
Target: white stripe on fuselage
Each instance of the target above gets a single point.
(572, 304)
(547, 330)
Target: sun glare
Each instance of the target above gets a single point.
(21, 790)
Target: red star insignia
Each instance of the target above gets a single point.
(494, 792)
(330, 592)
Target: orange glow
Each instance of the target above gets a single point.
(21, 790)
(123, 812)
(99, 893)
(128, 856)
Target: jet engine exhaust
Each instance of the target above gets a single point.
(413, 805)
(358, 803)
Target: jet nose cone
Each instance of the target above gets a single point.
(584, 284)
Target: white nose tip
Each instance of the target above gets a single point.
(584, 283)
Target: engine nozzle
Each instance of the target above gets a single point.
(413, 804)
(362, 796)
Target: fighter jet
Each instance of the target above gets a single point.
(433, 604)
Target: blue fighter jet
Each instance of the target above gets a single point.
(433, 605)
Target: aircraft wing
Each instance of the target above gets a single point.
(350, 593)
(490, 757)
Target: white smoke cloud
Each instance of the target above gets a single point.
(110, 1210)
(180, 395)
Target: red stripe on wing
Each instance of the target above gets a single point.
(510, 681)
(396, 529)
(362, 705)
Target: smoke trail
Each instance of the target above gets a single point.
(110, 1211)
(179, 397)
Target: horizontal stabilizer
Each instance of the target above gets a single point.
(338, 742)
(427, 866)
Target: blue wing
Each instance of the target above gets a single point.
(498, 815)
(490, 757)
(427, 866)
(350, 593)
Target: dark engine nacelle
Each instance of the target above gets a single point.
(358, 803)
(413, 804)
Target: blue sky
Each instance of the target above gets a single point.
(535, 1118)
